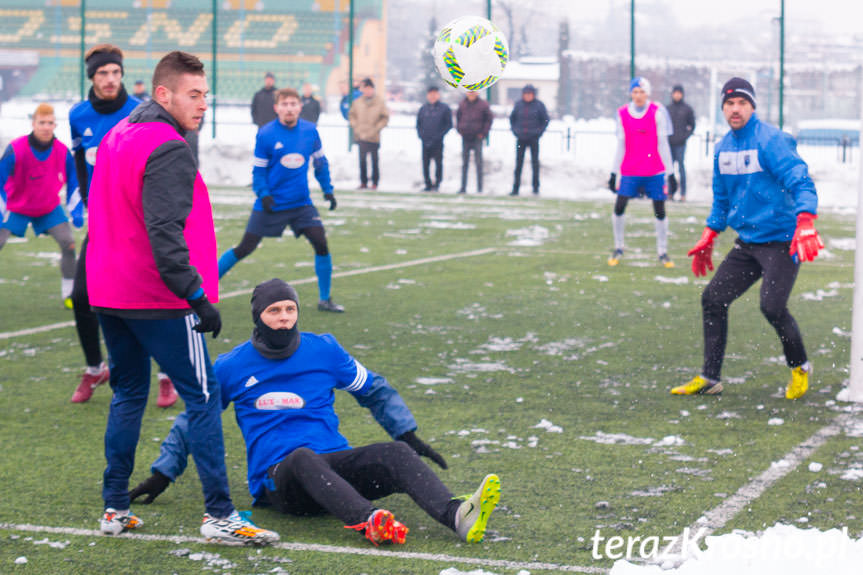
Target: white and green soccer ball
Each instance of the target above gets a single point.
(470, 53)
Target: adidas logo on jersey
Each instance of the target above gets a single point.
(88, 132)
(251, 381)
(278, 146)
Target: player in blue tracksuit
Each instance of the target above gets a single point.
(762, 190)
(107, 103)
(281, 383)
(280, 180)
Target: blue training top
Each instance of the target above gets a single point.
(760, 184)
(282, 164)
(89, 127)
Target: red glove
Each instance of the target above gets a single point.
(703, 252)
(806, 241)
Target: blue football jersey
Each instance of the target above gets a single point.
(89, 127)
(284, 404)
(281, 165)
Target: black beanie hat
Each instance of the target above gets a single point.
(99, 59)
(738, 88)
(268, 293)
(677, 88)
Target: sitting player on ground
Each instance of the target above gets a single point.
(33, 170)
(281, 382)
(281, 182)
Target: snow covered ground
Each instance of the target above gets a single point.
(577, 173)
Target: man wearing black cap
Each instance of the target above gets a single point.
(107, 103)
(281, 382)
(263, 102)
(434, 120)
(761, 189)
(528, 121)
(683, 124)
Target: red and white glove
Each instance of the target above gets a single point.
(703, 252)
(806, 241)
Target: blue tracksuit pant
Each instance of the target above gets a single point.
(182, 354)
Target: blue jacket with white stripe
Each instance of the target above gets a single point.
(284, 404)
(760, 184)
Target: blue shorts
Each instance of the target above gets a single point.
(273, 225)
(17, 224)
(651, 186)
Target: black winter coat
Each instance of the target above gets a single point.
(528, 120)
(682, 121)
(433, 122)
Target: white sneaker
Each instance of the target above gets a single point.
(235, 530)
(115, 522)
(472, 515)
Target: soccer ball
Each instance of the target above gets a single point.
(470, 53)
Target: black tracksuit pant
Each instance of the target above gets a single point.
(343, 483)
(742, 267)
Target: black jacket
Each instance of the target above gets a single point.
(262, 106)
(166, 198)
(528, 120)
(433, 122)
(311, 109)
(473, 119)
(682, 121)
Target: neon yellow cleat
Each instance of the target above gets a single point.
(667, 263)
(472, 515)
(799, 382)
(698, 386)
(67, 303)
(615, 258)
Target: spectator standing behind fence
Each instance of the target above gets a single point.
(683, 124)
(473, 122)
(263, 111)
(528, 121)
(368, 116)
(311, 106)
(140, 91)
(434, 120)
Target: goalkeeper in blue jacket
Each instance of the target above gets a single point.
(280, 180)
(281, 382)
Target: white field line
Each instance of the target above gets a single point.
(720, 515)
(314, 547)
(235, 293)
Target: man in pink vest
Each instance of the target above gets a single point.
(33, 170)
(151, 273)
(643, 159)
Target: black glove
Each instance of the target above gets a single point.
(612, 183)
(268, 202)
(152, 487)
(672, 185)
(422, 448)
(332, 200)
(211, 321)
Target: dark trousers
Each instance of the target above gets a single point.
(369, 149)
(468, 145)
(182, 353)
(678, 154)
(520, 147)
(742, 267)
(86, 322)
(434, 152)
(343, 483)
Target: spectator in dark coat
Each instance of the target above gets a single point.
(528, 121)
(434, 120)
(263, 104)
(311, 106)
(473, 122)
(683, 124)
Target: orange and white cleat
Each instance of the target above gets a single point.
(381, 527)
